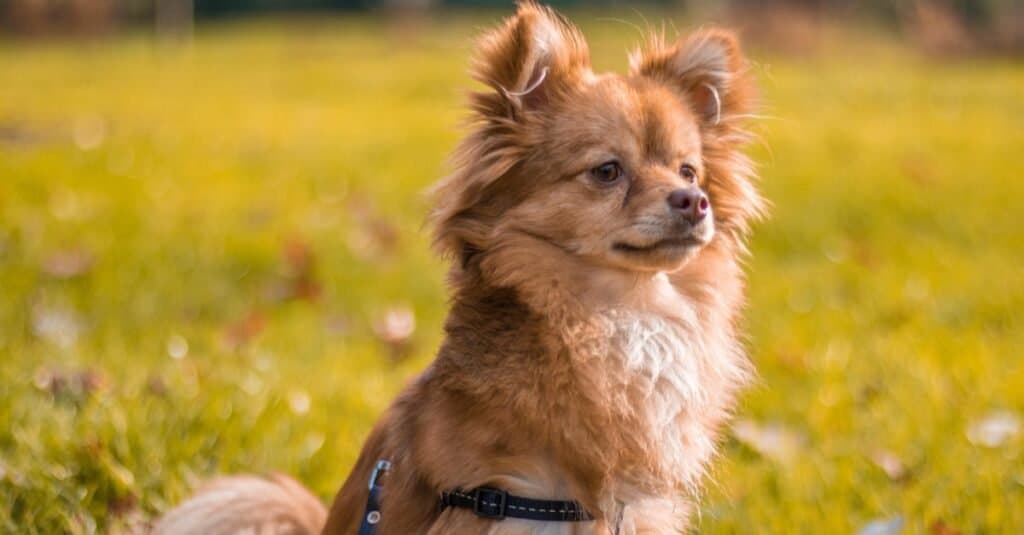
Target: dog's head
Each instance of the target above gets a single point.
(634, 172)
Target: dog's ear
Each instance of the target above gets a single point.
(707, 67)
(708, 71)
(529, 60)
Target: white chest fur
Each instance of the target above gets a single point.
(677, 376)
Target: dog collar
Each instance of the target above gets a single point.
(485, 502)
(496, 504)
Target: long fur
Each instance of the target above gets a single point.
(573, 366)
(277, 505)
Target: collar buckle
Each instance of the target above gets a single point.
(489, 503)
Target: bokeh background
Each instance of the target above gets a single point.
(213, 259)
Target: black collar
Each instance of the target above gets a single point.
(495, 504)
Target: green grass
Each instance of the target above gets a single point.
(886, 289)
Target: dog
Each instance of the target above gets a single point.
(595, 224)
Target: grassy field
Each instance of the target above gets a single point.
(200, 250)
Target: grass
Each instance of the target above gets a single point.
(165, 216)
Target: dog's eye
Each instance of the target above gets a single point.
(607, 173)
(688, 172)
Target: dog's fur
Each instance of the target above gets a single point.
(586, 358)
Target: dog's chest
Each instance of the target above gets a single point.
(658, 358)
(667, 375)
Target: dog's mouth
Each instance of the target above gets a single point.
(660, 246)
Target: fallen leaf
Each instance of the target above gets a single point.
(90, 380)
(394, 328)
(793, 359)
(156, 386)
(68, 263)
(299, 402)
(123, 505)
(384, 233)
(18, 135)
(370, 236)
(772, 440)
(939, 527)
(883, 526)
(396, 325)
(891, 464)
(241, 332)
(298, 280)
(56, 324)
(865, 255)
(70, 387)
(177, 347)
(298, 255)
(89, 132)
(994, 429)
(338, 324)
(867, 392)
(44, 378)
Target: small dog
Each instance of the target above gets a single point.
(595, 224)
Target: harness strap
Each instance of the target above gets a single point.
(372, 515)
(496, 504)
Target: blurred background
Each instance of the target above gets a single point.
(213, 259)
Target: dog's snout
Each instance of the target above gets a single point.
(690, 203)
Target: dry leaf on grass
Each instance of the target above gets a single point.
(298, 402)
(56, 324)
(891, 464)
(68, 263)
(156, 386)
(994, 429)
(939, 527)
(73, 387)
(371, 237)
(89, 132)
(298, 280)
(772, 440)
(395, 327)
(177, 347)
(883, 526)
(338, 324)
(240, 333)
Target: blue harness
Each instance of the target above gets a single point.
(372, 515)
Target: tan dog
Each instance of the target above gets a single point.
(595, 223)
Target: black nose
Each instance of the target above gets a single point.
(690, 203)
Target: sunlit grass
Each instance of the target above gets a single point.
(886, 288)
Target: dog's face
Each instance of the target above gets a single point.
(616, 177)
(628, 172)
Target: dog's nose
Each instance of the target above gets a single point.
(690, 203)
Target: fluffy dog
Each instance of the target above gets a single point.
(595, 224)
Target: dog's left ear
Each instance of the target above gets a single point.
(707, 68)
(710, 74)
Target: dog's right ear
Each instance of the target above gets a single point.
(528, 61)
